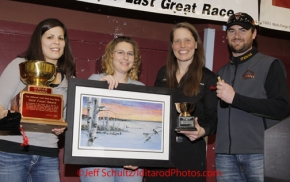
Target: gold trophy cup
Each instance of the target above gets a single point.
(41, 110)
(185, 122)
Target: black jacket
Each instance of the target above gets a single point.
(206, 100)
(190, 156)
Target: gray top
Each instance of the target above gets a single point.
(11, 85)
(99, 76)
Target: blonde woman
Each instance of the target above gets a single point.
(120, 64)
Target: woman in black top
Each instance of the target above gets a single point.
(185, 71)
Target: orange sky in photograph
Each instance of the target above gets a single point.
(133, 113)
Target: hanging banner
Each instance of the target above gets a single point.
(218, 10)
(275, 14)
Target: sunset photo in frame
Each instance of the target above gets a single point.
(130, 125)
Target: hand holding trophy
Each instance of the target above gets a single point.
(185, 122)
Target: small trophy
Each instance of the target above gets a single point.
(41, 110)
(185, 122)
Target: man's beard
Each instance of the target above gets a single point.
(245, 48)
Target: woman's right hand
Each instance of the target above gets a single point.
(131, 167)
(113, 83)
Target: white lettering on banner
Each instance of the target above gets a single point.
(218, 10)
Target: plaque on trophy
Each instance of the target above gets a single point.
(40, 109)
(185, 122)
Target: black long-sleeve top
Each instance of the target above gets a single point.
(205, 101)
(187, 155)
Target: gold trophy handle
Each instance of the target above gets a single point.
(51, 79)
(177, 105)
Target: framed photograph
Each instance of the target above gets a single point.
(130, 125)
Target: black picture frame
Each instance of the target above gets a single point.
(127, 137)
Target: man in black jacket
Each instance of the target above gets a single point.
(253, 97)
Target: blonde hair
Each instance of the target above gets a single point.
(107, 59)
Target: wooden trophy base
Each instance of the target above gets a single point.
(41, 126)
(40, 112)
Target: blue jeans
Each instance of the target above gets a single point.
(102, 174)
(240, 168)
(28, 168)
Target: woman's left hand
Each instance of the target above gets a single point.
(113, 83)
(58, 131)
(131, 167)
(194, 135)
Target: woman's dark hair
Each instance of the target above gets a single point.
(66, 63)
(192, 77)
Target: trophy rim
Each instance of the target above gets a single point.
(36, 63)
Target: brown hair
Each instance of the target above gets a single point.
(193, 75)
(66, 63)
(107, 59)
